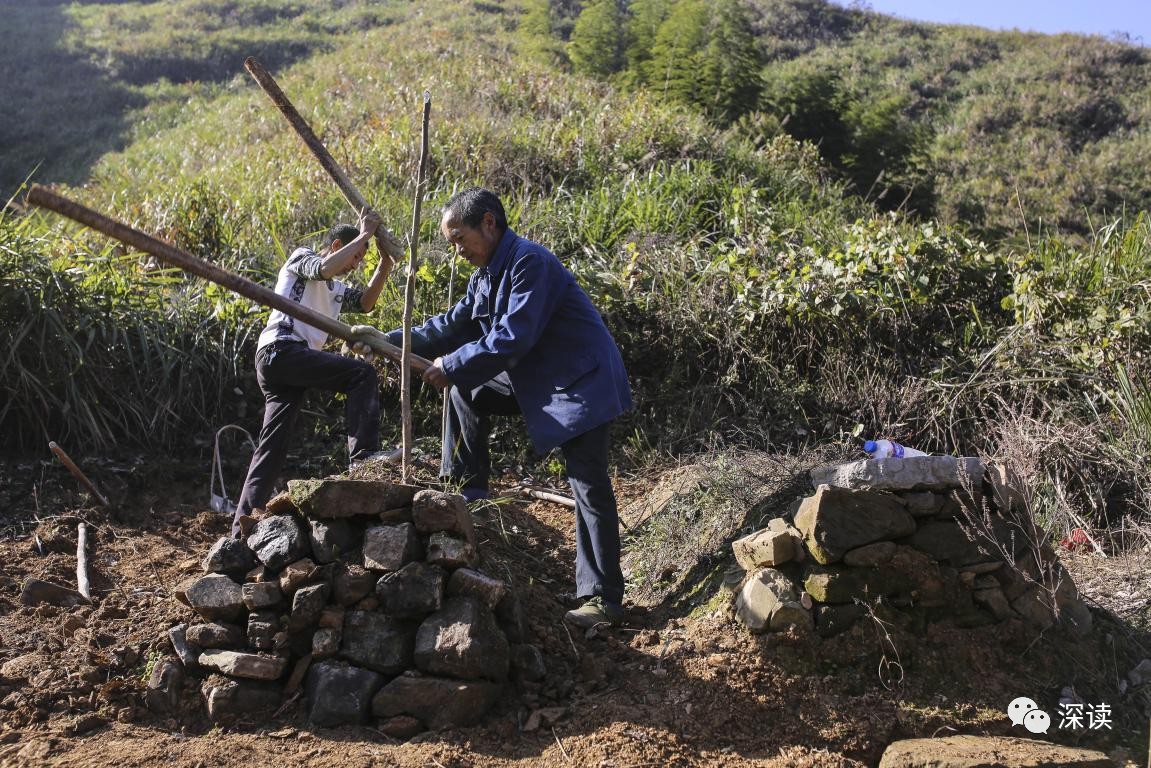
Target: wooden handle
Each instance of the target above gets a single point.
(79, 475)
(169, 254)
(385, 240)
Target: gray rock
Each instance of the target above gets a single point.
(278, 541)
(162, 694)
(401, 727)
(377, 642)
(436, 511)
(511, 618)
(917, 473)
(216, 635)
(462, 640)
(948, 542)
(326, 643)
(840, 584)
(763, 549)
(332, 540)
(790, 614)
(229, 701)
(870, 555)
(262, 629)
(307, 605)
(988, 752)
(762, 594)
(390, 547)
(37, 591)
(339, 694)
(247, 665)
(335, 498)
(448, 551)
(472, 583)
(834, 521)
(216, 597)
(189, 657)
(414, 590)
(296, 574)
(230, 557)
(921, 503)
(260, 595)
(435, 701)
(996, 604)
(351, 583)
(527, 662)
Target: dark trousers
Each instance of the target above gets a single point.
(285, 371)
(466, 461)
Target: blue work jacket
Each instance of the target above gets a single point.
(525, 314)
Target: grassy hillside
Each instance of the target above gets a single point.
(754, 298)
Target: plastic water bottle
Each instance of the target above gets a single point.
(887, 449)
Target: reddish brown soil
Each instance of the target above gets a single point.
(685, 690)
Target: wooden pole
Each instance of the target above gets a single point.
(75, 470)
(170, 254)
(545, 495)
(82, 561)
(410, 296)
(385, 240)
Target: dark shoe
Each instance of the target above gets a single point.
(594, 612)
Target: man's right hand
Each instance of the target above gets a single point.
(435, 375)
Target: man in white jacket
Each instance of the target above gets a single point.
(290, 358)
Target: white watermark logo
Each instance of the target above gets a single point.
(1072, 715)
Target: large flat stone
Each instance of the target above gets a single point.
(989, 752)
(247, 665)
(835, 521)
(335, 498)
(435, 701)
(917, 473)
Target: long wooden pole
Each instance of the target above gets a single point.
(170, 254)
(410, 296)
(385, 240)
(66, 460)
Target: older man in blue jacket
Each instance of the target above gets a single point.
(527, 339)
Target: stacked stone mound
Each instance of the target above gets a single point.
(913, 541)
(367, 593)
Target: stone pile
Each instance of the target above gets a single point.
(911, 541)
(369, 595)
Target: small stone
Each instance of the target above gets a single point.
(297, 574)
(178, 635)
(765, 548)
(436, 702)
(332, 617)
(260, 595)
(449, 552)
(38, 592)
(414, 590)
(307, 605)
(278, 541)
(390, 547)
(231, 557)
(462, 640)
(870, 555)
(326, 643)
(262, 629)
(216, 597)
(472, 583)
(351, 583)
(401, 727)
(527, 662)
(216, 635)
(339, 694)
(332, 540)
(162, 694)
(229, 701)
(436, 511)
(378, 642)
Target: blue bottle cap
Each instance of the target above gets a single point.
(870, 446)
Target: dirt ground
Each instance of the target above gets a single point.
(682, 688)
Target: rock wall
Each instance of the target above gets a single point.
(917, 540)
(367, 594)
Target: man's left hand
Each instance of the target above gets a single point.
(435, 375)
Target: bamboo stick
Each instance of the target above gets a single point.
(75, 470)
(169, 254)
(82, 561)
(385, 240)
(410, 298)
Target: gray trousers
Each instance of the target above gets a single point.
(286, 370)
(466, 461)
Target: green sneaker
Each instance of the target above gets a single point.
(596, 611)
